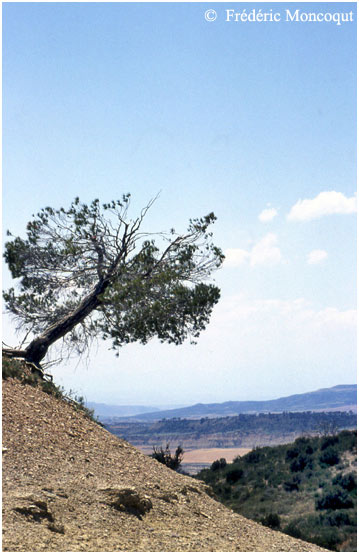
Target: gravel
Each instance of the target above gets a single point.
(71, 486)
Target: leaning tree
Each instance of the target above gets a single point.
(90, 272)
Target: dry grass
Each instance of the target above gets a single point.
(203, 455)
(209, 455)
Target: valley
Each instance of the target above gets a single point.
(241, 431)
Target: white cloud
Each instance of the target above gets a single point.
(267, 215)
(236, 257)
(289, 314)
(265, 252)
(326, 203)
(316, 256)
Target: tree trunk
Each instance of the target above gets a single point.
(37, 349)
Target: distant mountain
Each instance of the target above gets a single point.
(109, 410)
(340, 397)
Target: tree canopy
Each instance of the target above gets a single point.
(91, 272)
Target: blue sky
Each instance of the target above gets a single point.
(254, 121)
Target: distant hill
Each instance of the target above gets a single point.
(111, 410)
(340, 397)
(243, 430)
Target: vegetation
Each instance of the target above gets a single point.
(89, 271)
(165, 457)
(241, 430)
(306, 489)
(17, 369)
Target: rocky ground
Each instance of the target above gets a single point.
(69, 485)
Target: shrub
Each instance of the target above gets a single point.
(291, 454)
(234, 475)
(304, 444)
(347, 482)
(293, 484)
(330, 456)
(12, 368)
(301, 463)
(329, 441)
(336, 519)
(328, 538)
(271, 520)
(254, 456)
(224, 491)
(293, 530)
(165, 457)
(218, 464)
(335, 499)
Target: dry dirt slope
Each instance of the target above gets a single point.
(69, 485)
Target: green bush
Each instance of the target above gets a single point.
(11, 368)
(272, 521)
(304, 445)
(338, 518)
(254, 456)
(328, 538)
(300, 463)
(276, 479)
(218, 464)
(347, 482)
(330, 456)
(292, 484)
(234, 475)
(329, 441)
(291, 454)
(335, 499)
(293, 530)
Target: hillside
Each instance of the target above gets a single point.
(244, 430)
(340, 397)
(69, 485)
(307, 488)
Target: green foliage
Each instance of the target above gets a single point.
(254, 456)
(335, 499)
(347, 482)
(329, 441)
(89, 271)
(337, 518)
(301, 462)
(330, 456)
(292, 484)
(292, 453)
(218, 464)
(233, 475)
(268, 488)
(271, 520)
(14, 369)
(293, 530)
(165, 457)
(243, 426)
